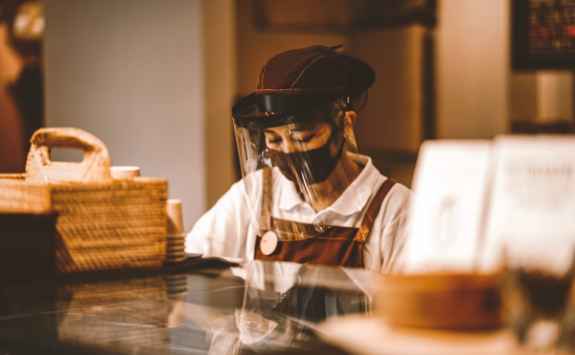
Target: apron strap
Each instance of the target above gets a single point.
(373, 210)
(267, 199)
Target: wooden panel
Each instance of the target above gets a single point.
(342, 15)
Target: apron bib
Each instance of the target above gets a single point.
(328, 245)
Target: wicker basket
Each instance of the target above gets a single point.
(102, 223)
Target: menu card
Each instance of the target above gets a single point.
(532, 207)
(447, 211)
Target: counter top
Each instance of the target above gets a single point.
(197, 307)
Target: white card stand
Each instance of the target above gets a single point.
(449, 185)
(532, 208)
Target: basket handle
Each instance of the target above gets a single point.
(95, 167)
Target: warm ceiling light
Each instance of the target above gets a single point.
(29, 21)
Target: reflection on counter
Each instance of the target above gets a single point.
(118, 316)
(277, 307)
(273, 308)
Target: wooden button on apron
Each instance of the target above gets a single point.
(269, 243)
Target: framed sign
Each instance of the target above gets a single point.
(447, 211)
(543, 34)
(532, 204)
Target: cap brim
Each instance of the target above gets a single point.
(246, 114)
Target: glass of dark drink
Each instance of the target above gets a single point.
(542, 309)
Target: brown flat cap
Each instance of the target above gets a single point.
(300, 80)
(306, 71)
(301, 76)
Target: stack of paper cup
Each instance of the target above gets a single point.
(176, 237)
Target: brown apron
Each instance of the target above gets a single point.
(328, 245)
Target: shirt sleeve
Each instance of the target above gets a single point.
(396, 229)
(222, 231)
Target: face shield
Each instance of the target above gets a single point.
(295, 160)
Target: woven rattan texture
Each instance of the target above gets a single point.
(102, 223)
(95, 167)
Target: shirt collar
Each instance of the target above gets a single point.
(353, 199)
(288, 196)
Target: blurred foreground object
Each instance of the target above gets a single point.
(541, 309)
(450, 184)
(441, 290)
(505, 206)
(441, 301)
(102, 223)
(358, 335)
(532, 204)
(481, 206)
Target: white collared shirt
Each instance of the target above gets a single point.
(226, 231)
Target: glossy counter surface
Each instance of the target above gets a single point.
(199, 307)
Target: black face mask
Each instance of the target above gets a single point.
(312, 166)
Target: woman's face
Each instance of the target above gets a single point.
(298, 137)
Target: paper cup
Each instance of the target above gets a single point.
(124, 172)
(175, 218)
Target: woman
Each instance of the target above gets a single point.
(306, 195)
